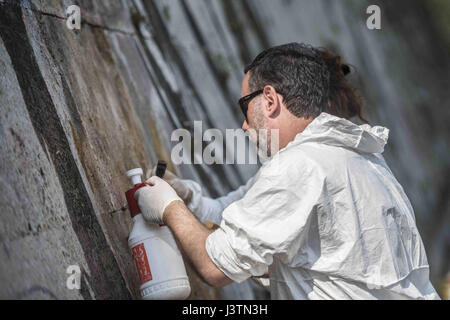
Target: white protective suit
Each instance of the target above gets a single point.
(328, 218)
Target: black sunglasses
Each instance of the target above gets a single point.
(244, 101)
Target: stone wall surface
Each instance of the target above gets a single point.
(80, 108)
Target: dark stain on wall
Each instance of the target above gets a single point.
(106, 279)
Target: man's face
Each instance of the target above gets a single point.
(245, 90)
(256, 120)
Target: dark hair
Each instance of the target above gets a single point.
(310, 80)
(343, 99)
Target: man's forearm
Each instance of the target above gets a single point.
(191, 235)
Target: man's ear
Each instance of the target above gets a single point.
(272, 102)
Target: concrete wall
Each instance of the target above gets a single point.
(80, 108)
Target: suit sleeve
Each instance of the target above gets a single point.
(270, 220)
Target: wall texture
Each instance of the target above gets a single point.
(80, 108)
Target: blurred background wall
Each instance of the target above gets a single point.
(80, 108)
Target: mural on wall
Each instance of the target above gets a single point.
(80, 107)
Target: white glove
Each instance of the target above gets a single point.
(154, 199)
(180, 187)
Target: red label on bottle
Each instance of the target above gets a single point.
(142, 265)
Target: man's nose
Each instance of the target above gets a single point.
(245, 125)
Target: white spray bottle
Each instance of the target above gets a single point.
(159, 262)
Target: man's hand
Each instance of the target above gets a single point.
(183, 191)
(154, 199)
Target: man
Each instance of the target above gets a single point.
(324, 214)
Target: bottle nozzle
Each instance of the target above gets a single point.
(161, 168)
(135, 175)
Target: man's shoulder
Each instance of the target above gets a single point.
(322, 155)
(301, 154)
(292, 163)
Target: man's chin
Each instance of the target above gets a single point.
(262, 156)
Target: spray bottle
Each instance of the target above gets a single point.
(158, 261)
